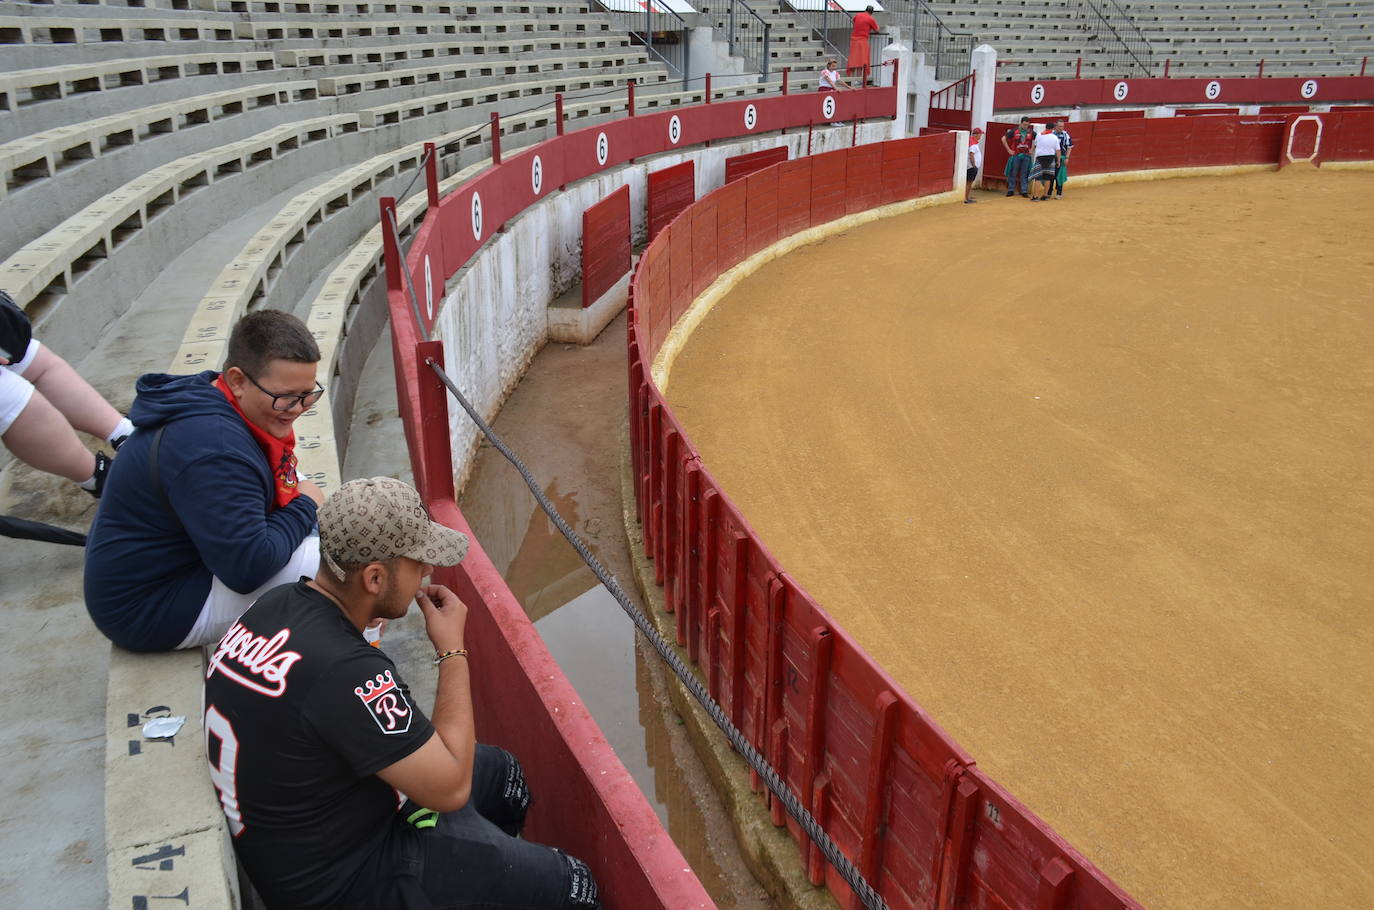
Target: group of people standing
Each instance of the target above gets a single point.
(1038, 162)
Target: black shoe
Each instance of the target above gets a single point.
(1011, 192)
(102, 470)
(1025, 195)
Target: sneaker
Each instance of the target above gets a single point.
(1025, 195)
(1011, 192)
(969, 201)
(102, 470)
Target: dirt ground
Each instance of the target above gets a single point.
(1092, 479)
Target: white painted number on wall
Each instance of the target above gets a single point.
(1213, 90)
(603, 148)
(537, 175)
(222, 774)
(1120, 91)
(1309, 88)
(751, 117)
(674, 129)
(476, 216)
(1037, 93)
(828, 107)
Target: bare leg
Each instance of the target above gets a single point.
(73, 396)
(41, 437)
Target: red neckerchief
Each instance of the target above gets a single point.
(281, 456)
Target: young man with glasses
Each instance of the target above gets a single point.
(203, 509)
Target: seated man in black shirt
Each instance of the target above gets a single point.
(311, 734)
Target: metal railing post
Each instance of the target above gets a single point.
(649, 27)
(731, 27)
(495, 138)
(786, 72)
(707, 100)
(630, 89)
(558, 111)
(686, 46)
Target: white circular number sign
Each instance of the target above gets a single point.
(603, 148)
(674, 129)
(751, 117)
(429, 289)
(476, 216)
(828, 107)
(537, 175)
(1037, 93)
(1213, 91)
(1309, 88)
(1120, 91)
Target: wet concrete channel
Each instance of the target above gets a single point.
(565, 420)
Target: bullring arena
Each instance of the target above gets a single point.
(1091, 481)
(994, 555)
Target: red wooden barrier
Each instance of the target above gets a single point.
(605, 245)
(897, 795)
(1206, 111)
(671, 189)
(1064, 93)
(1119, 115)
(739, 166)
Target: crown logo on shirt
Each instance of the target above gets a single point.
(375, 688)
(386, 702)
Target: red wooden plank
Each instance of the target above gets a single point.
(863, 179)
(827, 186)
(739, 166)
(794, 196)
(760, 210)
(605, 244)
(670, 190)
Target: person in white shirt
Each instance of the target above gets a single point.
(1046, 163)
(830, 80)
(975, 162)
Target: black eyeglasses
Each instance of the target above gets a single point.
(287, 402)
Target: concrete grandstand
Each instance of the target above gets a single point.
(170, 165)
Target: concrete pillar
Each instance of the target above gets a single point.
(708, 54)
(901, 127)
(922, 84)
(985, 65)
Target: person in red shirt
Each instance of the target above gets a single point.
(864, 25)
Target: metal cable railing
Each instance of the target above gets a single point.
(831, 26)
(661, 31)
(1125, 45)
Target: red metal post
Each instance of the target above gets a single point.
(432, 174)
(1167, 61)
(707, 99)
(1363, 64)
(435, 452)
(1078, 69)
(630, 87)
(558, 111)
(787, 71)
(1261, 68)
(810, 128)
(495, 138)
(391, 253)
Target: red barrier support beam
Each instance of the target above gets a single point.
(1261, 68)
(495, 138)
(1078, 69)
(558, 113)
(707, 99)
(630, 87)
(1363, 64)
(432, 175)
(436, 454)
(787, 72)
(896, 71)
(391, 253)
(879, 761)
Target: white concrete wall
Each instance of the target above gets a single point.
(494, 317)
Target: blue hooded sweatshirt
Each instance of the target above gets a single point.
(150, 555)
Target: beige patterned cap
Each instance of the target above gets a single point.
(379, 518)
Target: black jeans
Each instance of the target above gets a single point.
(473, 858)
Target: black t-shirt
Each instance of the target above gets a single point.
(300, 714)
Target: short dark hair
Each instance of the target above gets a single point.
(267, 335)
(1025, 120)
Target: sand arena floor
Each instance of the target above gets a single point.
(1094, 480)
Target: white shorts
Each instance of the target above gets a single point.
(15, 390)
(224, 605)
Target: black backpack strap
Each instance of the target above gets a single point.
(154, 475)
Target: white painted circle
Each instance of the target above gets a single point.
(429, 289)
(828, 107)
(603, 148)
(1120, 91)
(1213, 90)
(1037, 93)
(537, 175)
(476, 216)
(751, 117)
(1309, 88)
(674, 129)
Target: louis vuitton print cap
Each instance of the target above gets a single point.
(380, 518)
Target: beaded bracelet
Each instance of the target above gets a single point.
(441, 656)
